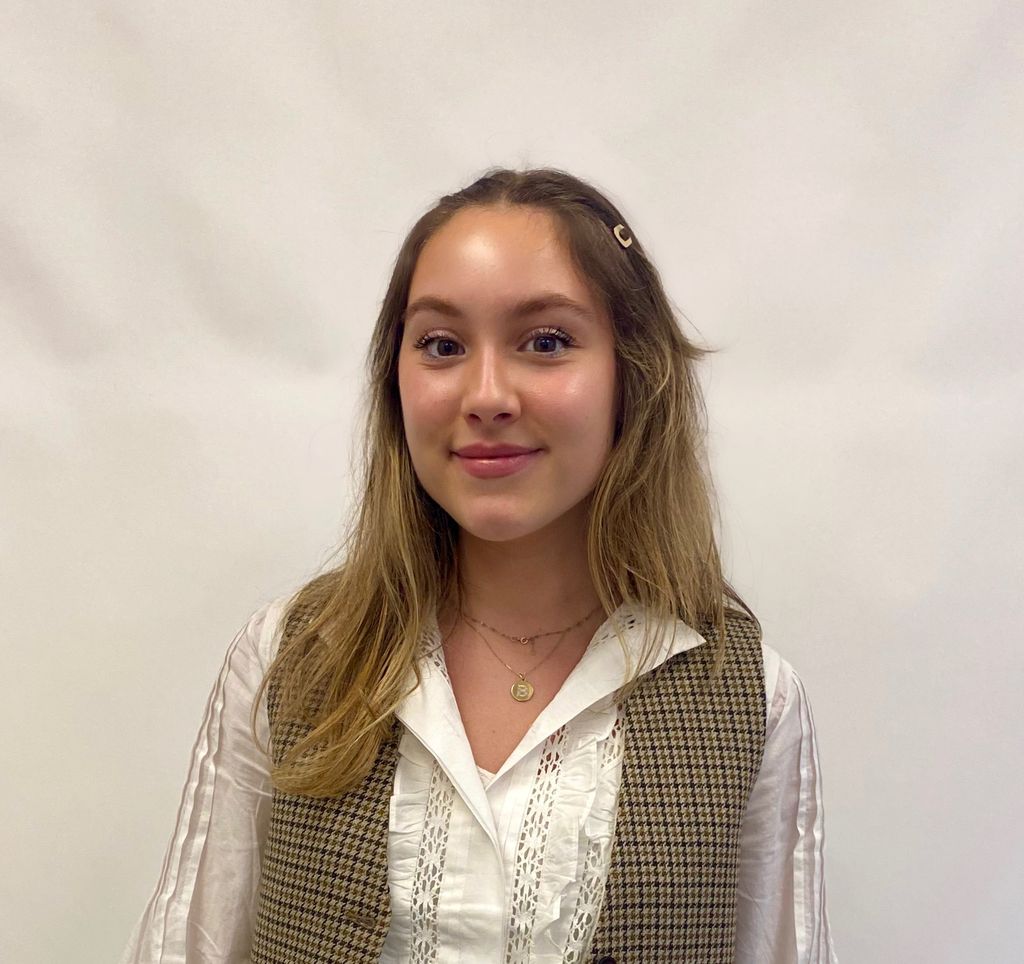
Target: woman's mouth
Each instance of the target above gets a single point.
(493, 467)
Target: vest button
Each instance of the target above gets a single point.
(606, 960)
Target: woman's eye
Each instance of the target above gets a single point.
(552, 338)
(445, 345)
(547, 342)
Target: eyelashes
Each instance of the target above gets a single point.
(556, 334)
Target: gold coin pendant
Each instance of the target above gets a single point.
(522, 690)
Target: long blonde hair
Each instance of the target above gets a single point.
(651, 538)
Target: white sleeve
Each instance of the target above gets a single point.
(781, 912)
(204, 905)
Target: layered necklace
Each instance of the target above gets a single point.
(522, 689)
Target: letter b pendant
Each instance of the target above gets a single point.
(522, 690)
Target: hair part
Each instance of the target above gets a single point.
(355, 633)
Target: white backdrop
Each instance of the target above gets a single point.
(201, 204)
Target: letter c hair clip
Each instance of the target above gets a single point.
(624, 241)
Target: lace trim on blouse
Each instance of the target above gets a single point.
(533, 840)
(595, 865)
(426, 887)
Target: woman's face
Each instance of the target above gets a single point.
(504, 345)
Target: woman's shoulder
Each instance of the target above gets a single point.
(784, 689)
(267, 626)
(262, 632)
(744, 629)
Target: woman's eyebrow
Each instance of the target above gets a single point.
(527, 306)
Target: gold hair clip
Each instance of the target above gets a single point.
(625, 242)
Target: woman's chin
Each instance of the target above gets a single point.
(496, 531)
(494, 527)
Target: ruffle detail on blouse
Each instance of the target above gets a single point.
(418, 822)
(582, 819)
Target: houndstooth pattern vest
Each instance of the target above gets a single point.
(691, 757)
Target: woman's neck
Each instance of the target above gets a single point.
(537, 583)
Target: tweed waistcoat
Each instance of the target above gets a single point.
(692, 752)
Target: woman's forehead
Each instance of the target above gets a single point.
(509, 259)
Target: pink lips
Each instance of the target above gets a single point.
(497, 462)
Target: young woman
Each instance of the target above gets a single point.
(525, 719)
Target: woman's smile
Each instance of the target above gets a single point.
(496, 466)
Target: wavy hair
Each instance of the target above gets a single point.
(354, 632)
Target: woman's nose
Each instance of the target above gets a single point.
(489, 390)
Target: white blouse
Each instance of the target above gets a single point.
(528, 846)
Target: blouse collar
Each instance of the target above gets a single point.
(432, 715)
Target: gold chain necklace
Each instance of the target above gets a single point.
(522, 689)
(525, 640)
